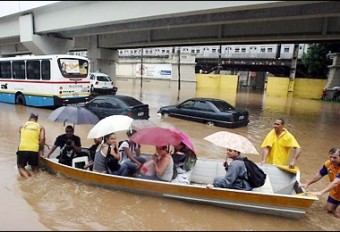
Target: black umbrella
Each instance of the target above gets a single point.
(73, 114)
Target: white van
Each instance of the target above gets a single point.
(102, 83)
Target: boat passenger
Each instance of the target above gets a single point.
(109, 147)
(130, 154)
(184, 158)
(236, 172)
(70, 146)
(92, 152)
(331, 168)
(163, 165)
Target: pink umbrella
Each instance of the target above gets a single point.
(184, 138)
(156, 136)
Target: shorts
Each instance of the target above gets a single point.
(333, 201)
(27, 157)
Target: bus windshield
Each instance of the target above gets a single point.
(73, 67)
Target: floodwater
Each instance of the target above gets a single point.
(53, 202)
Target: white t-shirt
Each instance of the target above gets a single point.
(121, 149)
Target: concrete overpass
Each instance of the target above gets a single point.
(102, 27)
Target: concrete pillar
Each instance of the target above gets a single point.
(294, 61)
(41, 45)
(334, 71)
(101, 59)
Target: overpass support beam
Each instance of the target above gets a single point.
(103, 60)
(334, 71)
(41, 45)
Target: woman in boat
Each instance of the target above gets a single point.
(109, 147)
(92, 152)
(235, 178)
(163, 165)
(130, 154)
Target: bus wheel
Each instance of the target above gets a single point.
(20, 100)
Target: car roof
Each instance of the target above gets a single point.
(99, 73)
(205, 99)
(115, 96)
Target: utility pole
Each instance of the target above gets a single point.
(179, 68)
(141, 69)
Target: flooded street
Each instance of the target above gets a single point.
(53, 202)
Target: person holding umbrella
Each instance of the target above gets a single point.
(109, 148)
(236, 172)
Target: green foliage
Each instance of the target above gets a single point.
(316, 59)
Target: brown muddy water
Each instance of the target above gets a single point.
(53, 202)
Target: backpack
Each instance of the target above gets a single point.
(190, 160)
(185, 162)
(256, 176)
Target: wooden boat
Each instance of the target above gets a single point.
(280, 195)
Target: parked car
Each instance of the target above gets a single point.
(102, 83)
(107, 105)
(209, 111)
(332, 93)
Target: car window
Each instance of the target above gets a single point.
(113, 104)
(222, 105)
(104, 78)
(187, 104)
(110, 105)
(130, 101)
(204, 106)
(97, 103)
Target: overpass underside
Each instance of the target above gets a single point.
(279, 68)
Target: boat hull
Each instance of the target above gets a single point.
(286, 205)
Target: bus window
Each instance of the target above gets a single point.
(18, 69)
(73, 67)
(33, 69)
(45, 70)
(5, 69)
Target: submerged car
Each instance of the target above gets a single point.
(211, 111)
(102, 83)
(107, 105)
(332, 93)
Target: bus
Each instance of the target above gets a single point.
(45, 80)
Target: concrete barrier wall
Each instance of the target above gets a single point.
(275, 86)
(308, 88)
(219, 82)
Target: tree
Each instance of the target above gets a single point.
(316, 59)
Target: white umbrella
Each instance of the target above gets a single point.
(232, 141)
(110, 125)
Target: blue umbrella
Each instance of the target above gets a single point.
(73, 114)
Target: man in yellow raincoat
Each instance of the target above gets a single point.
(277, 145)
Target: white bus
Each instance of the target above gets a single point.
(44, 81)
